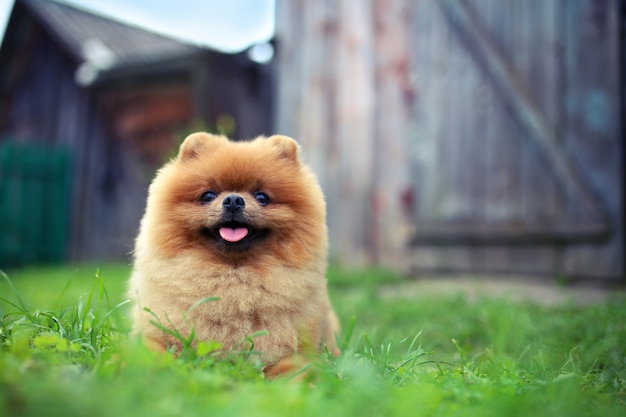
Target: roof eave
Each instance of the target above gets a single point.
(159, 67)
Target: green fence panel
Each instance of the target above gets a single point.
(34, 203)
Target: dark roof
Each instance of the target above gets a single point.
(129, 45)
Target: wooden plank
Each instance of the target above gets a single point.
(422, 136)
(492, 234)
(593, 123)
(502, 176)
(394, 89)
(355, 98)
(468, 260)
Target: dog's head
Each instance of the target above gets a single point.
(234, 201)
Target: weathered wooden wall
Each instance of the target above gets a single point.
(47, 107)
(472, 135)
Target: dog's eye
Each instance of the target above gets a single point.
(261, 198)
(208, 196)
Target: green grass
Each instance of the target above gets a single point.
(64, 350)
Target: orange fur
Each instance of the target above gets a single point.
(276, 283)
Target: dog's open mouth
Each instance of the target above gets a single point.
(233, 234)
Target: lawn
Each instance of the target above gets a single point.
(65, 351)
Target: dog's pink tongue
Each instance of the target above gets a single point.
(233, 235)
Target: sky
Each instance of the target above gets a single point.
(228, 25)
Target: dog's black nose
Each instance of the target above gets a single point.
(233, 203)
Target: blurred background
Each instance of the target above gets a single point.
(450, 136)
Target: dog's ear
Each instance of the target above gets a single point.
(286, 146)
(197, 143)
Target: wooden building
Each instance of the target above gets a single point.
(462, 136)
(115, 99)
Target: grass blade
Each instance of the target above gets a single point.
(22, 305)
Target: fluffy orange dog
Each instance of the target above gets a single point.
(245, 222)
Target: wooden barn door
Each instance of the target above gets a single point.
(461, 135)
(518, 155)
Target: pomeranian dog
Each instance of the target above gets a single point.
(244, 222)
